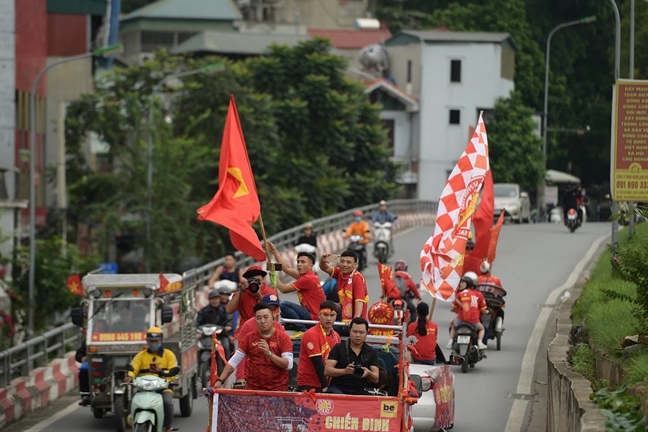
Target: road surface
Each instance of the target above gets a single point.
(532, 261)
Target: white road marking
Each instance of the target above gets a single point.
(518, 410)
(54, 418)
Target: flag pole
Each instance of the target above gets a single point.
(270, 265)
(432, 308)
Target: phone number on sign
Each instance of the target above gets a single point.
(118, 337)
(622, 184)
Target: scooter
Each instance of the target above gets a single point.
(493, 321)
(382, 250)
(205, 333)
(572, 220)
(147, 407)
(464, 348)
(360, 249)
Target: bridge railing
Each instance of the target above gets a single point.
(39, 351)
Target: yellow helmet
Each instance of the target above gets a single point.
(154, 333)
(470, 235)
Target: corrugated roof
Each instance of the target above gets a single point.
(221, 10)
(452, 36)
(235, 43)
(352, 39)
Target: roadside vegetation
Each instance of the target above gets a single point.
(611, 308)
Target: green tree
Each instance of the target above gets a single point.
(514, 149)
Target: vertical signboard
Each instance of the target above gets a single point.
(629, 171)
(7, 92)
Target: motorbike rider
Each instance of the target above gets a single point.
(383, 215)
(487, 278)
(316, 345)
(353, 297)
(308, 287)
(469, 304)
(156, 360)
(270, 354)
(307, 236)
(406, 286)
(215, 313)
(571, 199)
(361, 228)
(228, 271)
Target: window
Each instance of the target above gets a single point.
(389, 125)
(455, 117)
(409, 71)
(455, 71)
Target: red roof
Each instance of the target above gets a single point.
(352, 39)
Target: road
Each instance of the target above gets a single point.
(532, 260)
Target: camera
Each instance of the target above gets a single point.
(254, 286)
(357, 370)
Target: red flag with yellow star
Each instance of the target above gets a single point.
(74, 285)
(236, 203)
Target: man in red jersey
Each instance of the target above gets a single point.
(252, 289)
(316, 344)
(308, 287)
(270, 353)
(469, 305)
(351, 285)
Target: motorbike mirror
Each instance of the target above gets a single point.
(395, 217)
(130, 368)
(174, 371)
(418, 382)
(166, 314)
(76, 314)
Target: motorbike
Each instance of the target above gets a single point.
(205, 333)
(493, 321)
(382, 249)
(147, 408)
(360, 249)
(464, 348)
(572, 220)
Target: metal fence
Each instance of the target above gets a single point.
(21, 359)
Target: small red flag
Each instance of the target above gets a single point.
(483, 220)
(236, 203)
(387, 282)
(74, 285)
(494, 237)
(164, 282)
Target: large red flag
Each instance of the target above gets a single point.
(236, 203)
(483, 220)
(443, 254)
(494, 237)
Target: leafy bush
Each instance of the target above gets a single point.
(621, 410)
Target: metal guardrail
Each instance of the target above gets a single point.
(36, 352)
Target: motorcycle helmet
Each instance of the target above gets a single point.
(485, 267)
(357, 213)
(470, 278)
(401, 265)
(154, 334)
(470, 245)
(213, 293)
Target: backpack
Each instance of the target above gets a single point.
(401, 284)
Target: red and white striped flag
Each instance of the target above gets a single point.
(443, 254)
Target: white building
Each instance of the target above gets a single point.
(441, 80)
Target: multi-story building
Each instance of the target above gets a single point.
(452, 76)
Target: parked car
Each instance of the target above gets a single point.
(516, 204)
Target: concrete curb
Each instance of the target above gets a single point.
(569, 408)
(43, 385)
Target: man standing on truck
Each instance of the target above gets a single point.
(316, 345)
(270, 354)
(351, 285)
(251, 289)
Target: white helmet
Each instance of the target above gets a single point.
(470, 278)
(485, 267)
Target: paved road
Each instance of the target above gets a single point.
(532, 261)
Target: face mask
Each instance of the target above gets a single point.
(154, 347)
(358, 219)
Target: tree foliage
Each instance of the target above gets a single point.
(316, 146)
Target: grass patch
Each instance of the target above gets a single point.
(582, 360)
(635, 369)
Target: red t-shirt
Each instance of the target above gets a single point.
(250, 326)
(310, 293)
(314, 342)
(468, 305)
(261, 373)
(411, 285)
(351, 288)
(248, 301)
(426, 345)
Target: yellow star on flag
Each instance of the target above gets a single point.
(73, 287)
(242, 189)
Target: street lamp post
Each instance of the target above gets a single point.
(214, 67)
(617, 65)
(104, 52)
(545, 113)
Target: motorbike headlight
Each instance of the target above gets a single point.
(148, 384)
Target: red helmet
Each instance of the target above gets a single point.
(357, 213)
(401, 265)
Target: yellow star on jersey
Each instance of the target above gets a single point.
(242, 189)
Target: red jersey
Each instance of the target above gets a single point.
(310, 293)
(488, 279)
(468, 305)
(261, 373)
(351, 288)
(411, 285)
(426, 345)
(250, 326)
(249, 300)
(314, 342)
